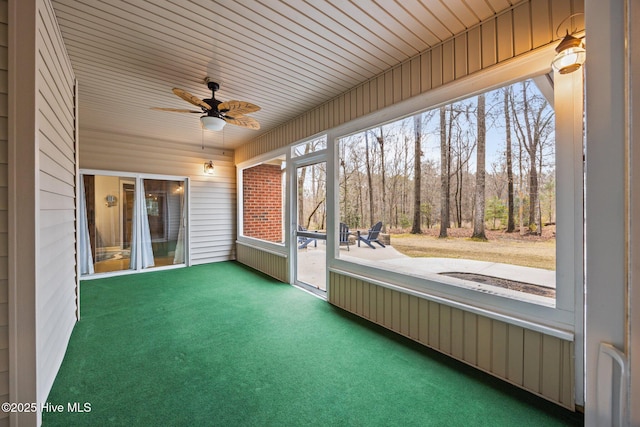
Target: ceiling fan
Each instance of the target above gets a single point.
(217, 113)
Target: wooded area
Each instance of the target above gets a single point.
(485, 161)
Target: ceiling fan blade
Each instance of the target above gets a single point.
(176, 110)
(243, 121)
(191, 99)
(237, 107)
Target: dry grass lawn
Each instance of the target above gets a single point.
(511, 248)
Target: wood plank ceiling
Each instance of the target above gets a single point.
(286, 56)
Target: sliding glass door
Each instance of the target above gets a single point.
(130, 223)
(164, 208)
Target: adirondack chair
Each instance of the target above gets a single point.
(372, 236)
(344, 235)
(303, 241)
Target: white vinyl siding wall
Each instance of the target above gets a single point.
(4, 224)
(56, 145)
(212, 198)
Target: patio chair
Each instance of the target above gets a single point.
(372, 236)
(303, 241)
(344, 235)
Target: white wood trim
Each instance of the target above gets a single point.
(607, 121)
(569, 108)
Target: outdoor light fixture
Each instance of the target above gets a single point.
(571, 55)
(208, 167)
(212, 122)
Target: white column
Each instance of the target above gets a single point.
(606, 178)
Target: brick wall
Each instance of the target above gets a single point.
(262, 201)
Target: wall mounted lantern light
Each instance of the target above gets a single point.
(570, 53)
(208, 167)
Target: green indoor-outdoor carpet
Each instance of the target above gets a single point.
(221, 344)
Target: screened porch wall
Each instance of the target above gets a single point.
(526, 27)
(212, 198)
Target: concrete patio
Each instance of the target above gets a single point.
(311, 269)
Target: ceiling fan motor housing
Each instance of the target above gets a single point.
(213, 86)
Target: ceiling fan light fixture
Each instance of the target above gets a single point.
(212, 123)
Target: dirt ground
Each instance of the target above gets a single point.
(509, 248)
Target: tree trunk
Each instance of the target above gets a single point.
(345, 199)
(458, 195)
(531, 145)
(444, 174)
(417, 173)
(369, 178)
(533, 189)
(384, 184)
(478, 220)
(302, 172)
(511, 226)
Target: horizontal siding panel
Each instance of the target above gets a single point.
(54, 169)
(51, 147)
(52, 201)
(57, 296)
(53, 184)
(52, 108)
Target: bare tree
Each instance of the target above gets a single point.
(302, 172)
(369, 177)
(511, 226)
(380, 139)
(417, 173)
(537, 118)
(478, 221)
(444, 174)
